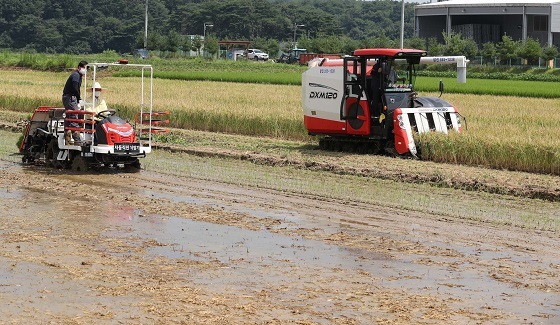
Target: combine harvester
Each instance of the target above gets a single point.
(360, 104)
(107, 139)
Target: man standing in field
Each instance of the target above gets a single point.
(71, 98)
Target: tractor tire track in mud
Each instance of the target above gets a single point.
(463, 181)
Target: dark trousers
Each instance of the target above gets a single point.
(71, 103)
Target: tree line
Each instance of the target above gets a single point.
(92, 26)
(329, 26)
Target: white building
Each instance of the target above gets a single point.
(487, 21)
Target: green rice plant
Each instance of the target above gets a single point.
(277, 78)
(230, 122)
(470, 150)
(504, 132)
(519, 88)
(59, 63)
(501, 75)
(51, 62)
(200, 64)
(24, 104)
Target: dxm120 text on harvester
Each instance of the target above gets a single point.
(360, 103)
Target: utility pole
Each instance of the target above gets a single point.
(204, 35)
(402, 25)
(146, 28)
(295, 28)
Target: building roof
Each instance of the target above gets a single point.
(486, 3)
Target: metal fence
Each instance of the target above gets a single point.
(517, 62)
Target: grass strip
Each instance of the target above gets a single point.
(518, 88)
(261, 77)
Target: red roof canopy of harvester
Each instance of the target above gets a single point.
(396, 53)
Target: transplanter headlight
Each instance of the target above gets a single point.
(399, 118)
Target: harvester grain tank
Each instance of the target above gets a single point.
(361, 103)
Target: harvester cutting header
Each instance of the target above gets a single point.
(360, 103)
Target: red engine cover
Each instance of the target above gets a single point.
(123, 133)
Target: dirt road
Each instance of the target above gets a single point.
(198, 242)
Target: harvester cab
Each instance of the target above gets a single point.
(366, 103)
(105, 139)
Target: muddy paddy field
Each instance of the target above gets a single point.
(234, 230)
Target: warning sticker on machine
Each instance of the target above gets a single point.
(127, 147)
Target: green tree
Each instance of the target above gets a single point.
(173, 41)
(156, 41)
(471, 48)
(434, 47)
(488, 51)
(196, 44)
(330, 44)
(5, 40)
(531, 50)
(24, 30)
(78, 47)
(49, 39)
(455, 44)
(349, 45)
(139, 43)
(259, 43)
(549, 53)
(271, 47)
(380, 42)
(211, 45)
(506, 48)
(415, 43)
(60, 25)
(186, 45)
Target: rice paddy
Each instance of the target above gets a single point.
(518, 88)
(504, 132)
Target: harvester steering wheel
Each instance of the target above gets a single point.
(106, 113)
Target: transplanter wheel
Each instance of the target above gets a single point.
(50, 154)
(79, 164)
(133, 167)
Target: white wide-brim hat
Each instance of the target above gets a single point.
(96, 86)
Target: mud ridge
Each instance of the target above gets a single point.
(526, 191)
(12, 127)
(462, 182)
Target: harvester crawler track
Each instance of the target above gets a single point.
(360, 146)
